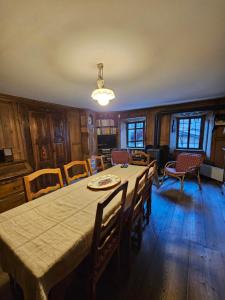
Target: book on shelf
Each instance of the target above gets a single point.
(99, 131)
(111, 122)
(105, 122)
(98, 123)
(106, 130)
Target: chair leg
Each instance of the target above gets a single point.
(117, 254)
(199, 180)
(181, 183)
(162, 180)
(92, 290)
(157, 179)
(148, 210)
(149, 206)
(15, 289)
(125, 249)
(139, 232)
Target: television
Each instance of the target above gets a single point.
(107, 141)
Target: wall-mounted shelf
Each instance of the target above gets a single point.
(107, 137)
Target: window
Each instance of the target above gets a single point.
(135, 134)
(190, 133)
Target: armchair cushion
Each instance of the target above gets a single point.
(173, 171)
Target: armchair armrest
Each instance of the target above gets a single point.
(170, 163)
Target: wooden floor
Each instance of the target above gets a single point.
(183, 251)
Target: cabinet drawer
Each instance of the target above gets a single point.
(10, 187)
(12, 201)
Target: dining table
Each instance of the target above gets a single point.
(44, 240)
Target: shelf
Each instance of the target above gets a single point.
(106, 122)
(106, 126)
(107, 134)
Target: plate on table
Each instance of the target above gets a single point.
(104, 182)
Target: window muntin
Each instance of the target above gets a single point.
(189, 133)
(135, 134)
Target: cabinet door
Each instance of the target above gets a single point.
(59, 138)
(40, 128)
(10, 130)
(217, 146)
(75, 135)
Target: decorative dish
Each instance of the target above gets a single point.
(103, 182)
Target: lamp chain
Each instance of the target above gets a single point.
(100, 81)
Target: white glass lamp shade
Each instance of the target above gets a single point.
(103, 96)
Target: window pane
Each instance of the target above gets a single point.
(194, 142)
(140, 125)
(131, 135)
(135, 134)
(182, 141)
(131, 125)
(131, 144)
(139, 135)
(195, 132)
(139, 144)
(183, 133)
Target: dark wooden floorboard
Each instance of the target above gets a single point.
(183, 250)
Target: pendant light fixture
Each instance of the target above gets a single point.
(101, 94)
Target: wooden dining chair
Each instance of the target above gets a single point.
(147, 195)
(106, 236)
(29, 179)
(140, 158)
(119, 157)
(79, 167)
(135, 217)
(95, 164)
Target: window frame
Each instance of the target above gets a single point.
(135, 128)
(188, 140)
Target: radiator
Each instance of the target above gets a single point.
(212, 172)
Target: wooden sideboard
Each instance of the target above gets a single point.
(11, 184)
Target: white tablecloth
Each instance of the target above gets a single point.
(42, 241)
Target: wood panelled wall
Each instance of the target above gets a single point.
(158, 123)
(44, 134)
(47, 134)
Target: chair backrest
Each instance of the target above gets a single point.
(106, 235)
(30, 178)
(80, 166)
(95, 164)
(152, 169)
(137, 200)
(140, 158)
(120, 157)
(186, 161)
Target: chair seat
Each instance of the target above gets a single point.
(174, 172)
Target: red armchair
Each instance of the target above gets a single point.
(186, 163)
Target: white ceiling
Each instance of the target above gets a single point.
(154, 52)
